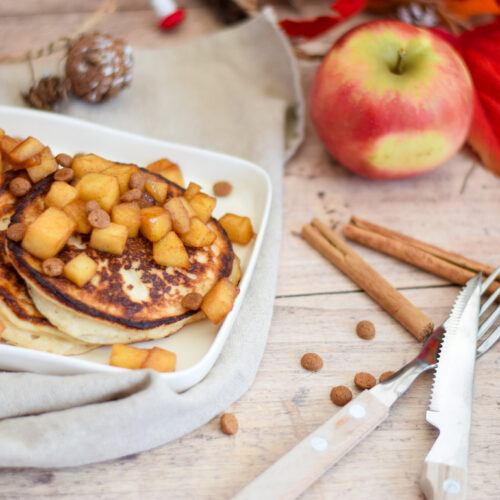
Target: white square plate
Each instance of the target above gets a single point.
(197, 345)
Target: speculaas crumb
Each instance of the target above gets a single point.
(340, 395)
(137, 181)
(385, 375)
(365, 330)
(19, 186)
(64, 174)
(15, 232)
(192, 301)
(64, 160)
(131, 195)
(99, 219)
(229, 423)
(52, 267)
(364, 380)
(222, 188)
(91, 205)
(311, 361)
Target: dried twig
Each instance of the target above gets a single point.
(107, 7)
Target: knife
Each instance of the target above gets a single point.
(288, 477)
(444, 473)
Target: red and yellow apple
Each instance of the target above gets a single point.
(391, 100)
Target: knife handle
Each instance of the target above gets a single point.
(443, 482)
(294, 472)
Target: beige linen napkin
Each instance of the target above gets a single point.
(236, 92)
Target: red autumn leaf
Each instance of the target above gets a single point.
(469, 8)
(311, 28)
(480, 49)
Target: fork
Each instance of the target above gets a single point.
(308, 460)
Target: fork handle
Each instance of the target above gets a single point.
(294, 472)
(443, 482)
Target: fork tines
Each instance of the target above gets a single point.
(486, 325)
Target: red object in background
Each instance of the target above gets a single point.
(172, 20)
(480, 49)
(311, 28)
(168, 13)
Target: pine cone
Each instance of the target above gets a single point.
(98, 67)
(47, 92)
(227, 11)
(418, 15)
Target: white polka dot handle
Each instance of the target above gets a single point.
(294, 472)
(443, 482)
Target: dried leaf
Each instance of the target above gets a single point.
(468, 8)
(311, 28)
(480, 49)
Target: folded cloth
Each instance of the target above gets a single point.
(237, 92)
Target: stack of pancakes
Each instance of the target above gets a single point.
(129, 299)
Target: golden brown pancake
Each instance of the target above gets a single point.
(24, 326)
(130, 298)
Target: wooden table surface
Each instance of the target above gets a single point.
(316, 310)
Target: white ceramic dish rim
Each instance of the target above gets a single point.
(182, 379)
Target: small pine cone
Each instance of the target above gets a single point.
(418, 15)
(228, 11)
(98, 66)
(47, 92)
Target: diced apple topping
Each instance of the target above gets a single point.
(99, 187)
(179, 214)
(156, 223)
(122, 173)
(219, 301)
(170, 251)
(60, 194)
(46, 166)
(239, 229)
(126, 356)
(87, 164)
(48, 234)
(8, 143)
(26, 149)
(157, 189)
(134, 358)
(191, 190)
(80, 269)
(167, 170)
(188, 207)
(111, 239)
(128, 214)
(160, 360)
(199, 234)
(76, 210)
(203, 205)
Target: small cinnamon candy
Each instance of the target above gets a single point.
(229, 423)
(311, 361)
(64, 174)
(192, 301)
(53, 267)
(339, 253)
(99, 219)
(64, 160)
(15, 232)
(364, 380)
(385, 375)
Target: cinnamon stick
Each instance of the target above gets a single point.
(451, 257)
(448, 265)
(339, 253)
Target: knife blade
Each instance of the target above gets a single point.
(444, 474)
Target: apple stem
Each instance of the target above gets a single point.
(399, 64)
